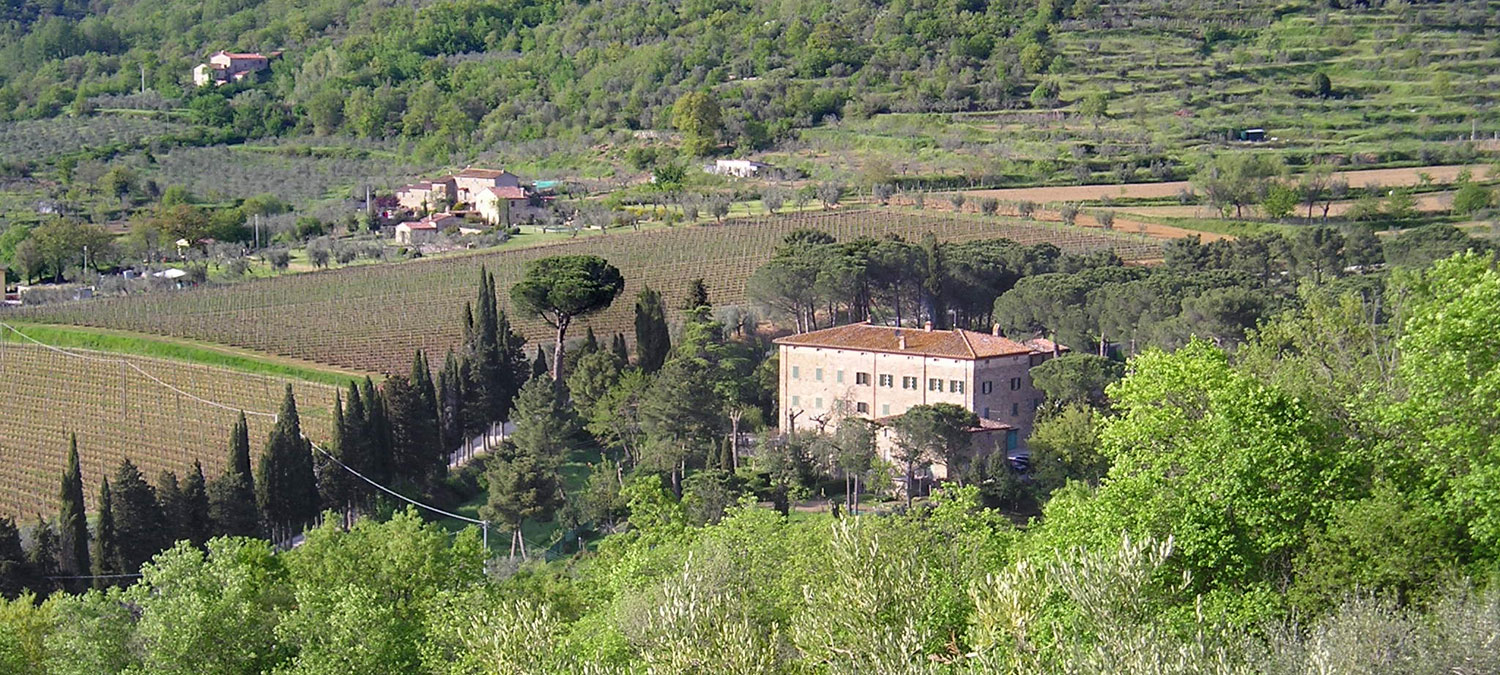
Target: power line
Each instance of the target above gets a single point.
(274, 417)
(132, 366)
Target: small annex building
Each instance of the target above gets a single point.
(426, 230)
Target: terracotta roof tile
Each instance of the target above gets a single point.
(953, 344)
(507, 192)
(481, 173)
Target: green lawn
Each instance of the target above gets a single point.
(125, 342)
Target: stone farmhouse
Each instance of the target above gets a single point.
(879, 372)
(495, 194)
(225, 67)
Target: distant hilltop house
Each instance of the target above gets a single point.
(495, 194)
(739, 168)
(224, 67)
(879, 372)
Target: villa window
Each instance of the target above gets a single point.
(956, 386)
(862, 408)
(934, 384)
(886, 380)
(862, 378)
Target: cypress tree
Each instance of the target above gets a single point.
(15, 572)
(196, 525)
(73, 523)
(539, 366)
(285, 487)
(42, 556)
(697, 295)
(617, 345)
(590, 343)
(652, 340)
(416, 454)
(173, 509)
(333, 490)
(512, 353)
(239, 447)
(137, 519)
(106, 547)
(231, 497)
(376, 435)
(451, 394)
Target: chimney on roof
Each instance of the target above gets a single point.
(900, 340)
(995, 329)
(927, 326)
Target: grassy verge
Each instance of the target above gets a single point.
(135, 344)
(574, 472)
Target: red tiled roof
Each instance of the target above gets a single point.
(481, 173)
(507, 192)
(953, 344)
(431, 222)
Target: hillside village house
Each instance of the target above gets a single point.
(879, 372)
(496, 204)
(426, 230)
(224, 67)
(470, 182)
(428, 195)
(464, 187)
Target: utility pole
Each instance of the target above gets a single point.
(143, 78)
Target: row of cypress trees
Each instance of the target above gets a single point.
(398, 435)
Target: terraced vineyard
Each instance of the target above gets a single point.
(372, 318)
(119, 412)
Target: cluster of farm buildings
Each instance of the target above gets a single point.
(468, 202)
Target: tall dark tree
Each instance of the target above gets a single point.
(106, 545)
(560, 289)
(590, 342)
(622, 352)
(539, 364)
(495, 359)
(932, 281)
(138, 520)
(173, 510)
(333, 487)
(452, 389)
(196, 525)
(652, 339)
(697, 295)
(285, 488)
(523, 476)
(377, 434)
(416, 454)
(15, 573)
(231, 495)
(41, 557)
(72, 519)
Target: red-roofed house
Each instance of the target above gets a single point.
(495, 204)
(871, 371)
(426, 230)
(224, 67)
(471, 181)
